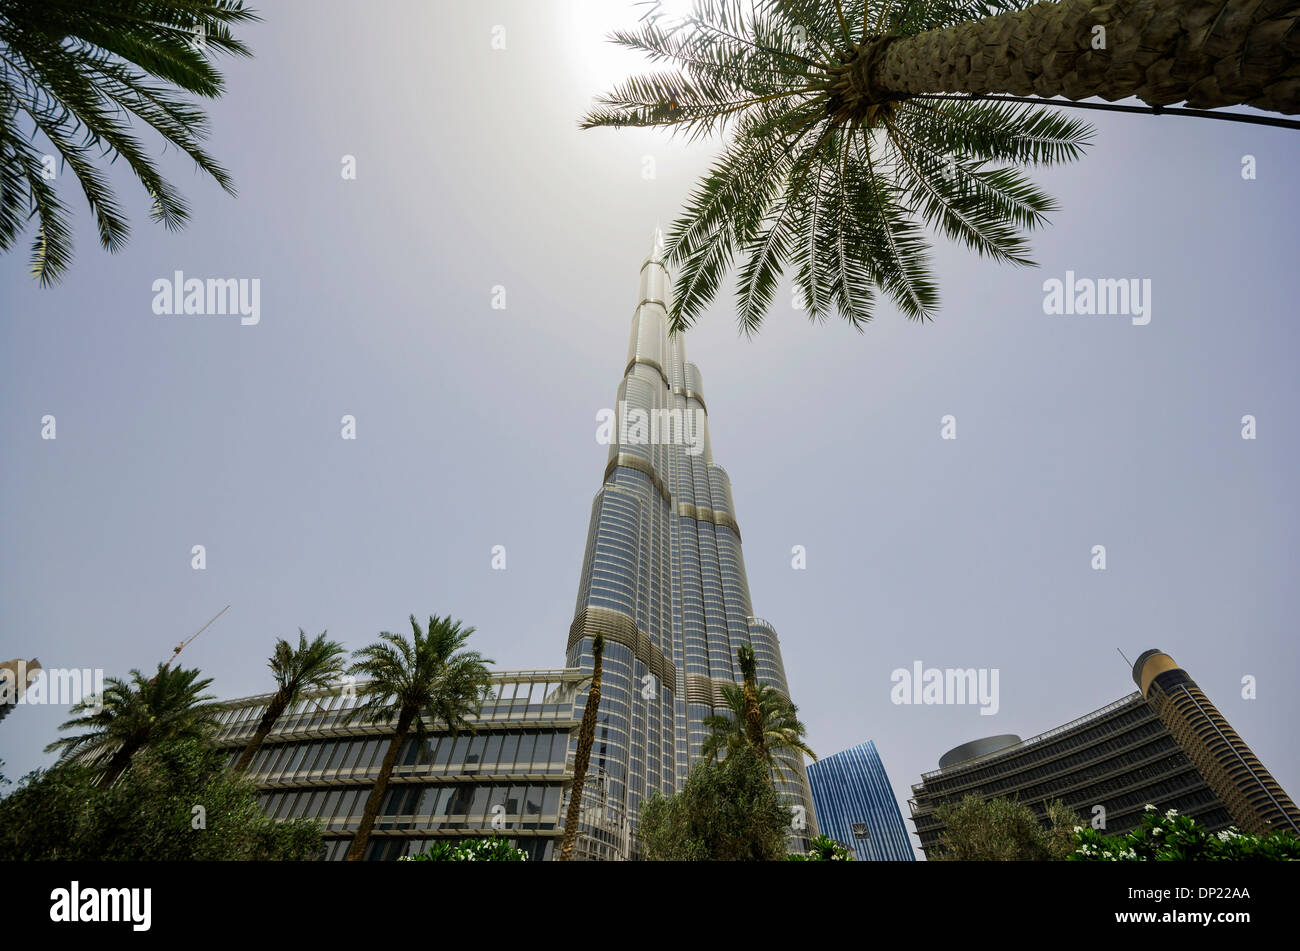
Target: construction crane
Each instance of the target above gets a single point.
(176, 651)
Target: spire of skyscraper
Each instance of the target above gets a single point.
(663, 577)
(657, 246)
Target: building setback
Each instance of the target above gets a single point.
(855, 805)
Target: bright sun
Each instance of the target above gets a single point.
(600, 61)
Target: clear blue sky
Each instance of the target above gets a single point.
(476, 427)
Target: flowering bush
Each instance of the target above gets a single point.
(1169, 837)
(823, 849)
(493, 849)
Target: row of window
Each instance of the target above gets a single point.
(1086, 746)
(533, 751)
(1081, 767)
(507, 696)
(454, 805)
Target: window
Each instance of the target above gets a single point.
(443, 752)
(559, 750)
(336, 757)
(475, 753)
(525, 754)
(497, 798)
(275, 762)
(458, 751)
(479, 803)
(295, 761)
(492, 751)
(352, 803)
(372, 755)
(317, 756)
(509, 745)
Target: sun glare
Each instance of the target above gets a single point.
(601, 62)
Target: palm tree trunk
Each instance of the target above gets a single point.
(753, 715)
(273, 712)
(1205, 52)
(586, 737)
(357, 850)
(117, 765)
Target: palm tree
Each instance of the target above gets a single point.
(582, 756)
(753, 713)
(844, 143)
(782, 733)
(430, 675)
(75, 72)
(309, 666)
(128, 717)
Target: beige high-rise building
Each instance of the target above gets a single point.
(1238, 778)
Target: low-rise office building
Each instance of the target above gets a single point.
(510, 777)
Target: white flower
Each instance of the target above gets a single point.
(1150, 808)
(1078, 828)
(1157, 831)
(1171, 813)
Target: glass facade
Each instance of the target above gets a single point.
(663, 577)
(509, 777)
(856, 806)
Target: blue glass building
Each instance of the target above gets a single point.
(855, 805)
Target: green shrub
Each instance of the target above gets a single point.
(493, 849)
(823, 849)
(1169, 837)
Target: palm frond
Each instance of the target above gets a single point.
(819, 176)
(77, 74)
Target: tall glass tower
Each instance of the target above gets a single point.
(663, 579)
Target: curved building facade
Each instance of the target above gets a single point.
(663, 576)
(1251, 794)
(1119, 758)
